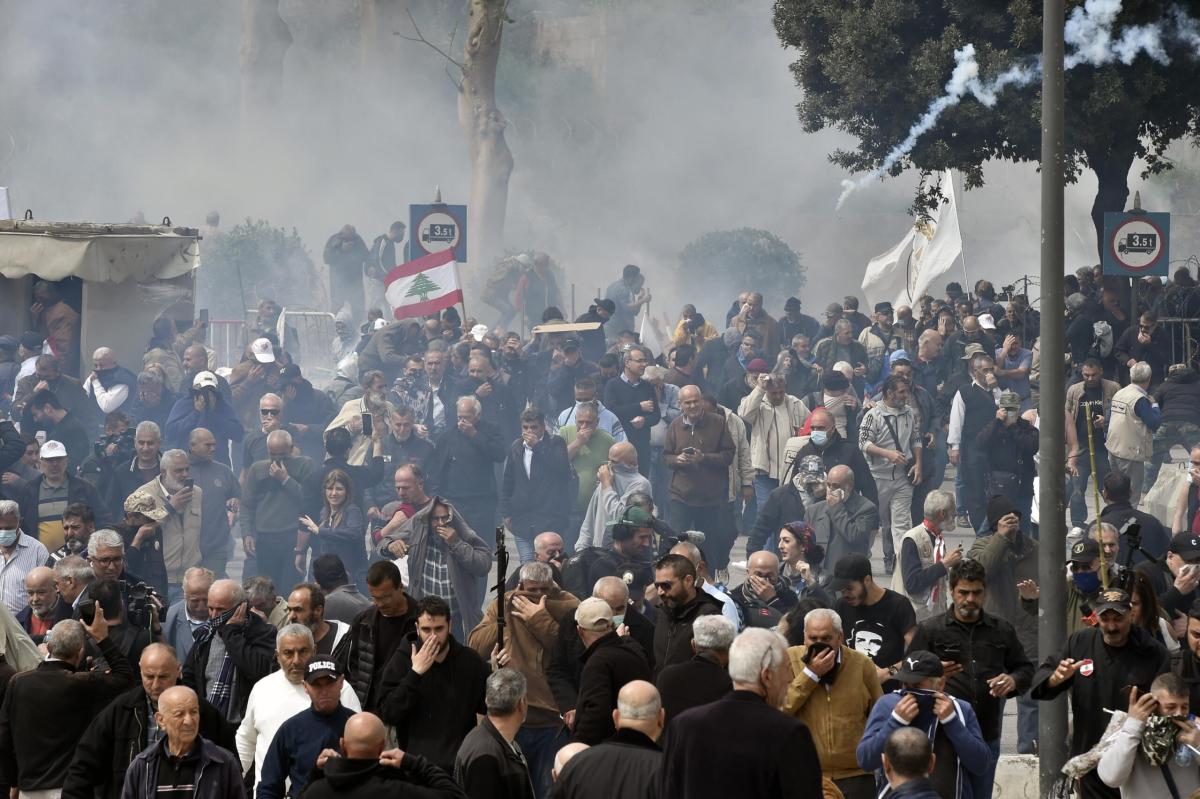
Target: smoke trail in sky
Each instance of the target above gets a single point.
(1088, 35)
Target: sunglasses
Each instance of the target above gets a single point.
(268, 411)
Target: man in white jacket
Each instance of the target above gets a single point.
(279, 696)
(1152, 716)
(773, 417)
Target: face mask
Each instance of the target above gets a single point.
(618, 620)
(819, 438)
(8, 538)
(1087, 582)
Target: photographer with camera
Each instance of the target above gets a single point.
(128, 623)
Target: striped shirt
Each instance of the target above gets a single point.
(28, 553)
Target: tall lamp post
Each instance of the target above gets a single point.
(1052, 622)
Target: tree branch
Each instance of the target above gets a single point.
(420, 39)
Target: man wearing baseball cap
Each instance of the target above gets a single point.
(878, 342)
(204, 407)
(300, 739)
(922, 704)
(1096, 665)
(47, 495)
(1175, 577)
(609, 662)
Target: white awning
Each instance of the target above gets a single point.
(97, 253)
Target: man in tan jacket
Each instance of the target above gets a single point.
(832, 692)
(174, 493)
(532, 615)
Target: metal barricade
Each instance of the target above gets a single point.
(227, 338)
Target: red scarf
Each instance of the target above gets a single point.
(939, 551)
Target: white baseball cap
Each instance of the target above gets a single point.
(987, 322)
(53, 449)
(262, 350)
(204, 380)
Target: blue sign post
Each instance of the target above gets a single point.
(437, 227)
(1137, 243)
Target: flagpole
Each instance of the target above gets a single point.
(962, 250)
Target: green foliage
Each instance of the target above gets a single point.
(726, 261)
(871, 67)
(253, 261)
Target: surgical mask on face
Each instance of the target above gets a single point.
(618, 620)
(8, 538)
(819, 438)
(1087, 582)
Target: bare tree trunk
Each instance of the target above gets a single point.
(483, 124)
(1112, 176)
(265, 42)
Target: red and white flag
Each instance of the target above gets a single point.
(424, 286)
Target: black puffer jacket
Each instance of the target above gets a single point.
(1179, 397)
(364, 674)
(117, 735)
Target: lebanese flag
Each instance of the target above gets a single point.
(424, 286)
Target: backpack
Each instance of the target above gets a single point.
(1102, 339)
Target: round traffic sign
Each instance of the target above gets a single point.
(438, 231)
(1137, 244)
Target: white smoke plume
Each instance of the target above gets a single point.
(1089, 38)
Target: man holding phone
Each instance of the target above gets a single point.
(1098, 665)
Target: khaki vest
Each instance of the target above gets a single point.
(920, 537)
(1128, 436)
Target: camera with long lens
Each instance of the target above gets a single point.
(123, 449)
(138, 601)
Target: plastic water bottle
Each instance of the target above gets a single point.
(1183, 756)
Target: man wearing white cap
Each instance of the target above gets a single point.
(19, 554)
(204, 407)
(257, 374)
(46, 497)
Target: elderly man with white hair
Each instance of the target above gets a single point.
(832, 692)
(142, 467)
(771, 756)
(110, 386)
(704, 678)
(279, 696)
(627, 765)
(174, 494)
(1134, 416)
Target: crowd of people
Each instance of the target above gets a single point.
(697, 604)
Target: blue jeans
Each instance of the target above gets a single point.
(1079, 485)
(1027, 725)
(540, 744)
(763, 486)
(524, 549)
(981, 784)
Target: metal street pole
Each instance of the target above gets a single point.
(1052, 622)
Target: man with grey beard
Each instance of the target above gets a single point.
(175, 493)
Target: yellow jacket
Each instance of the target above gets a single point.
(836, 717)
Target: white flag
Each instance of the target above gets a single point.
(926, 252)
(648, 334)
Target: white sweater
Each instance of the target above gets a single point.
(1124, 766)
(274, 700)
